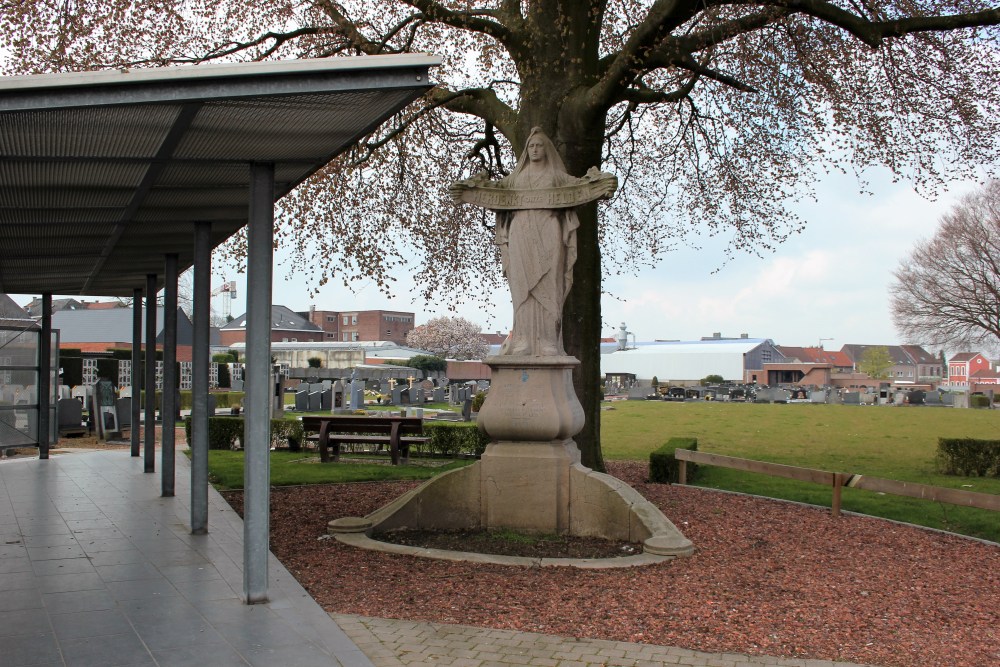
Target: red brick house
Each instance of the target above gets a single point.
(361, 325)
(287, 326)
(971, 368)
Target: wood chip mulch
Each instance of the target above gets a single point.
(768, 578)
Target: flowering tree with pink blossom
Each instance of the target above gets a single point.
(449, 338)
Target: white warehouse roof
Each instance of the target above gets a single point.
(685, 360)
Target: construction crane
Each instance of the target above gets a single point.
(229, 289)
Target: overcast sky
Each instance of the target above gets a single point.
(829, 282)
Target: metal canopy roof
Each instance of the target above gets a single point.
(103, 173)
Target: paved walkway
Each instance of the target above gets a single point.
(96, 569)
(393, 643)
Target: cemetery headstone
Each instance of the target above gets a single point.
(123, 408)
(439, 394)
(419, 396)
(326, 399)
(852, 398)
(315, 401)
(397, 395)
(357, 395)
(302, 400)
(236, 385)
(817, 396)
(338, 394)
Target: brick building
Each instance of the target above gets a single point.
(361, 325)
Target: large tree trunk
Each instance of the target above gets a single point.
(580, 139)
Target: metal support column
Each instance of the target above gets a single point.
(170, 379)
(136, 367)
(257, 425)
(199, 376)
(44, 376)
(149, 428)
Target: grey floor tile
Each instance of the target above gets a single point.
(183, 631)
(89, 624)
(177, 573)
(56, 552)
(258, 632)
(300, 655)
(112, 544)
(30, 650)
(216, 589)
(141, 589)
(117, 557)
(65, 583)
(44, 527)
(23, 622)
(14, 565)
(16, 550)
(76, 601)
(145, 610)
(44, 568)
(20, 599)
(128, 571)
(119, 650)
(17, 581)
(57, 540)
(200, 656)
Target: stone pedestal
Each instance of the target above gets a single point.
(531, 399)
(530, 478)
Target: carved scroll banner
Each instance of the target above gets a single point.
(481, 192)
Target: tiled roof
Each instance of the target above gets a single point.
(282, 318)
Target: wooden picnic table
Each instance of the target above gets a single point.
(397, 432)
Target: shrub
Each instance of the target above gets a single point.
(107, 369)
(454, 438)
(663, 466)
(224, 431)
(979, 401)
(72, 368)
(478, 400)
(225, 381)
(969, 456)
(315, 362)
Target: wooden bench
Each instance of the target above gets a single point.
(397, 432)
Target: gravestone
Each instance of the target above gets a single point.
(947, 399)
(852, 398)
(326, 399)
(467, 410)
(638, 392)
(302, 400)
(123, 406)
(212, 404)
(236, 385)
(817, 396)
(337, 390)
(357, 395)
(397, 395)
(125, 392)
(315, 401)
(438, 394)
(70, 413)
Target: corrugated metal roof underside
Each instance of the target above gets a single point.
(101, 175)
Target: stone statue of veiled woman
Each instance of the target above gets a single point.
(536, 234)
(538, 251)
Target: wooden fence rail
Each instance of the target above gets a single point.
(838, 480)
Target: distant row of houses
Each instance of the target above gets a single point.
(761, 361)
(343, 339)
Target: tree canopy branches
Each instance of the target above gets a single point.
(715, 115)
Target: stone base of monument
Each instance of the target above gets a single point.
(530, 478)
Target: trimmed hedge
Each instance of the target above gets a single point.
(969, 456)
(663, 466)
(224, 431)
(979, 401)
(453, 438)
(72, 368)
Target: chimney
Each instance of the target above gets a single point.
(743, 335)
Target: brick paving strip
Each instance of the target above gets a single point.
(394, 643)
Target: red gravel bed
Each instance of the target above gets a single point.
(768, 578)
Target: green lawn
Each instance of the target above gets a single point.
(894, 443)
(289, 468)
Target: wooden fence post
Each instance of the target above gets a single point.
(682, 470)
(838, 485)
